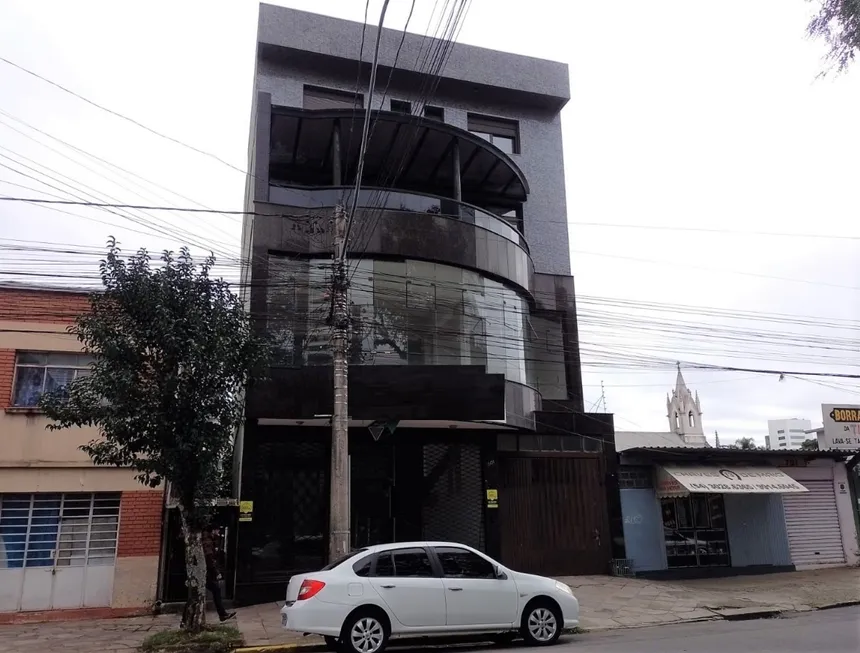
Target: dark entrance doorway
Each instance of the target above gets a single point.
(172, 577)
(371, 486)
(694, 528)
(287, 480)
(554, 518)
(414, 484)
(403, 490)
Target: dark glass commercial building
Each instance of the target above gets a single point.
(464, 353)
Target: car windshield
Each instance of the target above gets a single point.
(342, 559)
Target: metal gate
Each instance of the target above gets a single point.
(554, 517)
(452, 510)
(57, 550)
(812, 522)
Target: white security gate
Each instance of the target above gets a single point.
(57, 550)
(812, 522)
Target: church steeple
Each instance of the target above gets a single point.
(685, 413)
(680, 386)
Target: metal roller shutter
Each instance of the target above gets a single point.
(57, 550)
(812, 523)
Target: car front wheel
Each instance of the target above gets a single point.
(364, 632)
(541, 624)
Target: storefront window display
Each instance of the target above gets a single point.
(694, 528)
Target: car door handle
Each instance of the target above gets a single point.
(387, 587)
(455, 589)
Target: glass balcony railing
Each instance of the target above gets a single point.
(379, 199)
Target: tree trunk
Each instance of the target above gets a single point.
(195, 571)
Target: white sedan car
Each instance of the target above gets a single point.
(424, 588)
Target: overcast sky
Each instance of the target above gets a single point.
(691, 127)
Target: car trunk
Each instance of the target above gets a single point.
(294, 586)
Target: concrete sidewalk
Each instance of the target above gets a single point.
(606, 603)
(609, 602)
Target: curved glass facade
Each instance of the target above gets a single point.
(378, 199)
(403, 313)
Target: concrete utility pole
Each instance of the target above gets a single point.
(339, 541)
(339, 494)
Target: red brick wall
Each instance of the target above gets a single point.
(41, 305)
(7, 371)
(140, 523)
(30, 305)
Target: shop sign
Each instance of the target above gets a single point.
(492, 498)
(678, 481)
(841, 427)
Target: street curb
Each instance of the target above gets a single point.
(274, 648)
(606, 629)
(405, 643)
(744, 614)
(840, 604)
(440, 642)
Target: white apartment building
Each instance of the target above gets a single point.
(787, 433)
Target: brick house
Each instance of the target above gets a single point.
(75, 539)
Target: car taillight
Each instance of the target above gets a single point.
(310, 588)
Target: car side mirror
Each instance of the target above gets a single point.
(500, 573)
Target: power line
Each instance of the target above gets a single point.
(721, 271)
(669, 363)
(106, 165)
(121, 116)
(430, 68)
(362, 150)
(84, 192)
(146, 207)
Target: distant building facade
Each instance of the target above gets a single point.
(787, 433)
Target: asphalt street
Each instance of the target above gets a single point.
(833, 631)
(825, 631)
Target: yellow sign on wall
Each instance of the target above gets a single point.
(492, 498)
(246, 511)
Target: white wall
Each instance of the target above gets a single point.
(850, 537)
(793, 433)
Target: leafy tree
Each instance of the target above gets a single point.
(747, 444)
(838, 23)
(173, 349)
(809, 445)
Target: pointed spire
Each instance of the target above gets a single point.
(680, 386)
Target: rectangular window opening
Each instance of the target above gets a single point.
(504, 134)
(434, 113)
(317, 98)
(401, 106)
(39, 372)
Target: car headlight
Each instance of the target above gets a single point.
(561, 587)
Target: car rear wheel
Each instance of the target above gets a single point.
(541, 624)
(364, 632)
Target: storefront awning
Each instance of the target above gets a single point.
(679, 481)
